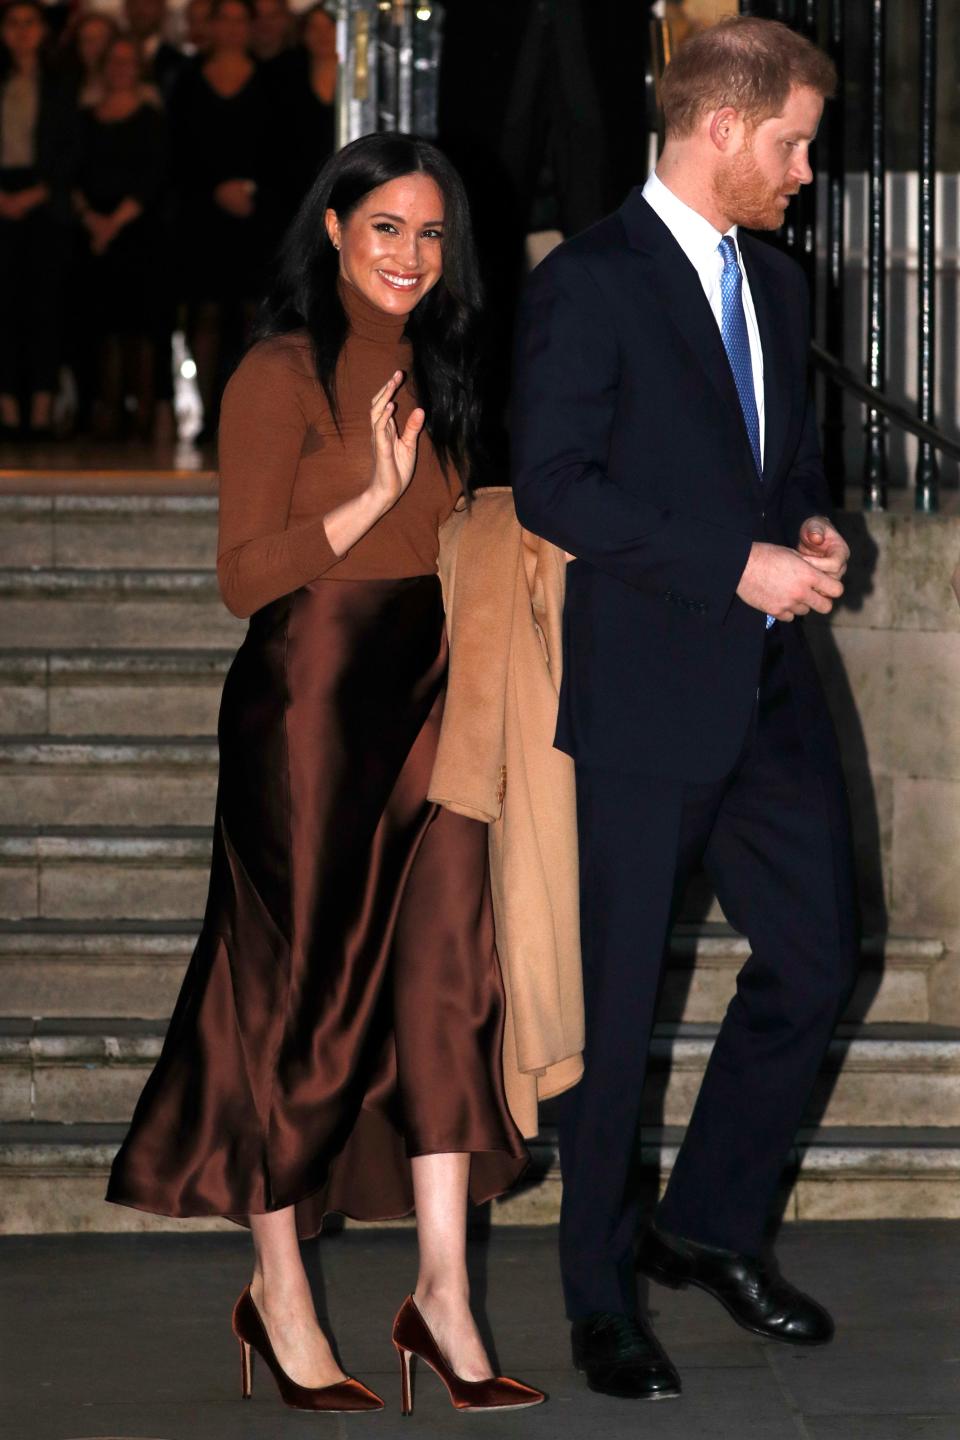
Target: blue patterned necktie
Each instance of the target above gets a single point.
(736, 342)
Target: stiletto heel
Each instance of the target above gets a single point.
(406, 1380)
(339, 1399)
(413, 1340)
(246, 1370)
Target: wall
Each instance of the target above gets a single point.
(890, 658)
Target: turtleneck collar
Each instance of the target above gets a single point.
(368, 320)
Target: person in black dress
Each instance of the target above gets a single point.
(36, 157)
(196, 18)
(220, 131)
(273, 29)
(303, 89)
(121, 171)
(82, 53)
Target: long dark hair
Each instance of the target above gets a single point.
(442, 326)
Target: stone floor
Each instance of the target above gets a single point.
(128, 1336)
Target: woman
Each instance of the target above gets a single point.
(83, 54)
(120, 175)
(303, 87)
(337, 1041)
(36, 152)
(221, 150)
(196, 19)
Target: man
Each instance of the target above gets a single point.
(663, 436)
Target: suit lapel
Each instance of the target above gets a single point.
(776, 355)
(674, 282)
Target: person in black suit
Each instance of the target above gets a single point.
(664, 436)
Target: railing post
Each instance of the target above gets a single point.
(875, 456)
(836, 254)
(806, 239)
(926, 496)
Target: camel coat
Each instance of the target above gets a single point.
(503, 591)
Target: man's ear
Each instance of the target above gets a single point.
(724, 128)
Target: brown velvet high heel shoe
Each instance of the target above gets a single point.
(413, 1339)
(339, 1399)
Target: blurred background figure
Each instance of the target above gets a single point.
(542, 110)
(121, 167)
(227, 216)
(196, 18)
(37, 136)
(303, 89)
(274, 29)
(83, 50)
(161, 60)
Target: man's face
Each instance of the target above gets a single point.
(754, 185)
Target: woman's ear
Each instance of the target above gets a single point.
(332, 221)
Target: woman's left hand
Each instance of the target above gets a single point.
(394, 455)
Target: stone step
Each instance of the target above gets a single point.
(76, 1070)
(144, 472)
(95, 531)
(53, 1177)
(134, 968)
(112, 692)
(127, 970)
(898, 980)
(111, 781)
(49, 608)
(57, 873)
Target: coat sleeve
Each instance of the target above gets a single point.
(565, 401)
(805, 490)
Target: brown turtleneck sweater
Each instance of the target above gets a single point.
(284, 467)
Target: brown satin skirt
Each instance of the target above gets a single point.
(343, 1010)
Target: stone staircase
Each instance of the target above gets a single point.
(115, 648)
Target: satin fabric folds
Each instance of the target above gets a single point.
(343, 1010)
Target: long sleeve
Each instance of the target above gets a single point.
(805, 490)
(262, 428)
(568, 374)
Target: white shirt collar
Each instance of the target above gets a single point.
(697, 238)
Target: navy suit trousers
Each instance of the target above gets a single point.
(774, 838)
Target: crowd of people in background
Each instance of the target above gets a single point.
(144, 187)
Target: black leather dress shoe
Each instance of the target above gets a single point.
(753, 1291)
(621, 1356)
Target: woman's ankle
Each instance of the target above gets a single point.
(443, 1292)
(279, 1297)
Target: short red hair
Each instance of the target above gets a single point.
(746, 63)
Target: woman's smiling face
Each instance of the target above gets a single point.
(391, 245)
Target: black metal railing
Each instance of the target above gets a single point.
(827, 22)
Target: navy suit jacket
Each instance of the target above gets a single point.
(630, 451)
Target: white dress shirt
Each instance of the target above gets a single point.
(698, 240)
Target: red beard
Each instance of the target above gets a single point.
(743, 193)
